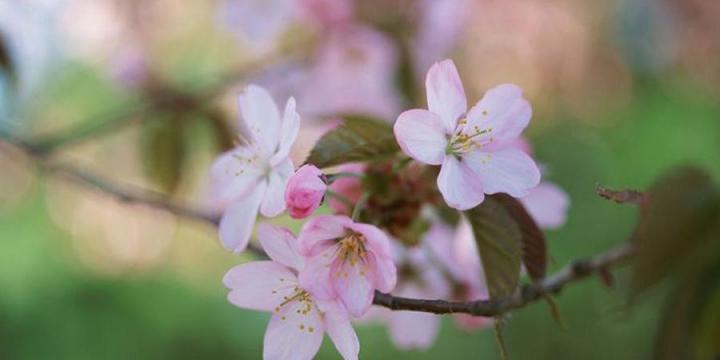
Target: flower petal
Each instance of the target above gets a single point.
(233, 176)
(288, 132)
(320, 232)
(384, 272)
(421, 135)
(459, 185)
(353, 286)
(280, 245)
(236, 224)
(502, 109)
(294, 333)
(547, 204)
(273, 203)
(341, 332)
(315, 276)
(440, 239)
(509, 171)
(261, 119)
(259, 285)
(445, 94)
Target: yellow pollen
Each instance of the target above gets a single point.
(351, 249)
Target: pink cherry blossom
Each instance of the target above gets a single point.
(347, 260)
(353, 73)
(299, 319)
(473, 147)
(548, 204)
(349, 186)
(305, 191)
(252, 177)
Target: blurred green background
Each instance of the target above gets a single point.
(69, 291)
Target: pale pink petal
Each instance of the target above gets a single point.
(261, 119)
(459, 185)
(353, 286)
(236, 224)
(288, 132)
(273, 204)
(376, 240)
(503, 111)
(508, 171)
(233, 176)
(259, 285)
(421, 135)
(280, 245)
(548, 205)
(341, 332)
(384, 272)
(445, 94)
(440, 239)
(293, 333)
(466, 255)
(315, 276)
(413, 330)
(320, 232)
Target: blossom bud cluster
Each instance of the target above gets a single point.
(319, 281)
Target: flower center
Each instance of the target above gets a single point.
(465, 140)
(352, 249)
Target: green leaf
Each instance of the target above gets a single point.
(690, 328)
(162, 147)
(672, 232)
(358, 139)
(535, 256)
(499, 241)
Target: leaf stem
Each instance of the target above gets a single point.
(339, 197)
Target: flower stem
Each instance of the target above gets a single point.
(359, 206)
(332, 177)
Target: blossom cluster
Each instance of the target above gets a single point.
(325, 277)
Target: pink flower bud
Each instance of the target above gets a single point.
(305, 191)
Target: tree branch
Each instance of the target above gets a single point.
(577, 270)
(164, 99)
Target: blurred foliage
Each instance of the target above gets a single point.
(678, 228)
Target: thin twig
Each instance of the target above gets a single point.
(529, 293)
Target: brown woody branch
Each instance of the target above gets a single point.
(529, 293)
(577, 270)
